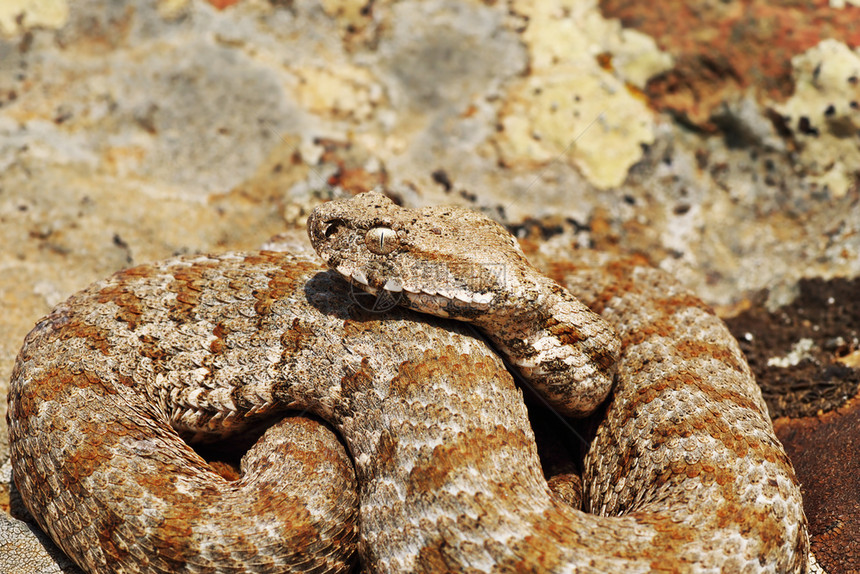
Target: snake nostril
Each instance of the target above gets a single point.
(331, 227)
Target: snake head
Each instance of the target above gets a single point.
(447, 261)
(452, 262)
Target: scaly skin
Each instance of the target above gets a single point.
(684, 474)
(452, 262)
(685, 462)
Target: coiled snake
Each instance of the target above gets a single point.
(684, 473)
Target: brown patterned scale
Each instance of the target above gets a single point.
(684, 474)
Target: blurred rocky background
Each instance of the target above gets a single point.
(719, 139)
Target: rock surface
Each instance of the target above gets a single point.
(723, 147)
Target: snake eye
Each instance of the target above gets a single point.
(381, 240)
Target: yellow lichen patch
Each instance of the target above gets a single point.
(839, 4)
(17, 16)
(580, 99)
(850, 360)
(590, 118)
(824, 114)
(349, 12)
(344, 92)
(572, 31)
(171, 9)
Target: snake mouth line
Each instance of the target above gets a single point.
(435, 297)
(434, 304)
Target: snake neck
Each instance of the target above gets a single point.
(558, 345)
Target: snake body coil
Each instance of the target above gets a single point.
(684, 474)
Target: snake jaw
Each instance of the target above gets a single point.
(359, 277)
(393, 285)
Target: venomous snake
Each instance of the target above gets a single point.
(684, 473)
